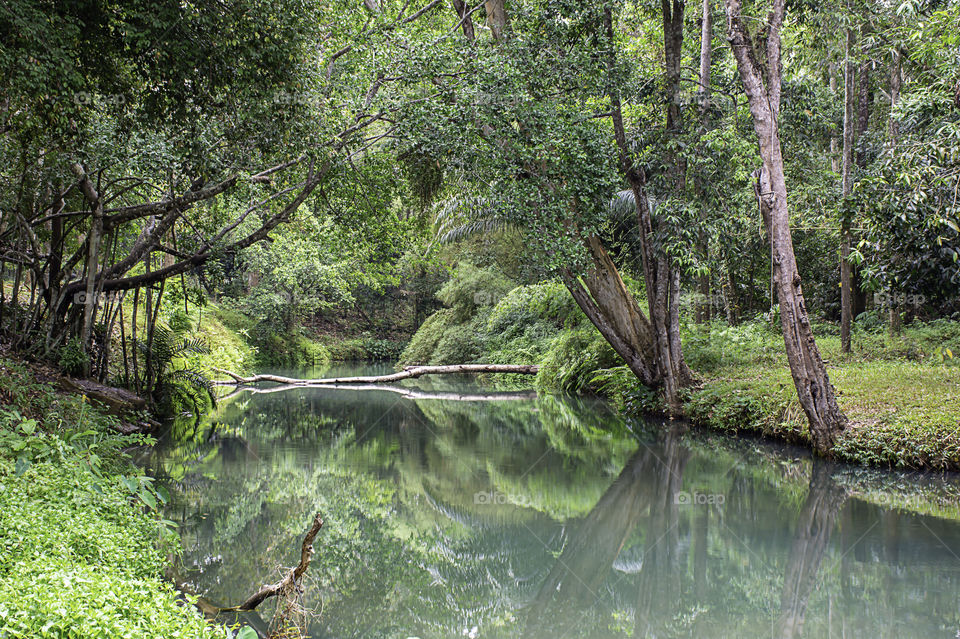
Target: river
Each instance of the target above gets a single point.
(457, 513)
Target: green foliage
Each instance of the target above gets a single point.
(573, 360)
(472, 288)
(80, 530)
(708, 347)
(175, 385)
(461, 343)
(424, 342)
(72, 358)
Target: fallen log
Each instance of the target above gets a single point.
(410, 372)
(406, 393)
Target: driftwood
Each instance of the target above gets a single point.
(292, 579)
(410, 372)
(406, 393)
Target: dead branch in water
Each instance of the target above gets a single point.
(291, 582)
(410, 372)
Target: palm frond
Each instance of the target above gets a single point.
(196, 380)
(460, 217)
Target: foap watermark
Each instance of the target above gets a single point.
(295, 98)
(86, 98)
(684, 498)
(485, 298)
(899, 298)
(497, 498)
(713, 299)
(81, 297)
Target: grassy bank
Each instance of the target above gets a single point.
(82, 543)
(901, 393)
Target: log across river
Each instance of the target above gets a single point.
(410, 372)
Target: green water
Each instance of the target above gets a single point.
(550, 517)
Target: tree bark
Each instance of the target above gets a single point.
(466, 21)
(814, 391)
(496, 18)
(849, 135)
(704, 305)
(661, 280)
(93, 252)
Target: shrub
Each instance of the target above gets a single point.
(572, 360)
(471, 288)
(424, 342)
(72, 357)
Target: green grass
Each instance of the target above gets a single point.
(901, 395)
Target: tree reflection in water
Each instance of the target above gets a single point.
(544, 518)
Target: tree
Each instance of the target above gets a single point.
(760, 72)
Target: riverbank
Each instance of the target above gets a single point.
(900, 393)
(84, 544)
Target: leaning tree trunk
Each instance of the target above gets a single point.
(612, 309)
(763, 88)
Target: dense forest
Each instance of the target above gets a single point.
(734, 215)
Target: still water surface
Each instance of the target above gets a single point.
(456, 513)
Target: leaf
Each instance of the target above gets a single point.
(22, 465)
(247, 633)
(147, 497)
(28, 427)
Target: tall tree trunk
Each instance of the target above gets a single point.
(93, 253)
(763, 89)
(894, 131)
(849, 134)
(661, 281)
(496, 18)
(704, 305)
(864, 99)
(834, 158)
(672, 48)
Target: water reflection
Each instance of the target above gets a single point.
(547, 517)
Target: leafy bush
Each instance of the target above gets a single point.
(72, 357)
(573, 359)
(471, 288)
(526, 305)
(460, 344)
(375, 349)
(421, 347)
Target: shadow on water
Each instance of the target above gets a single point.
(550, 517)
